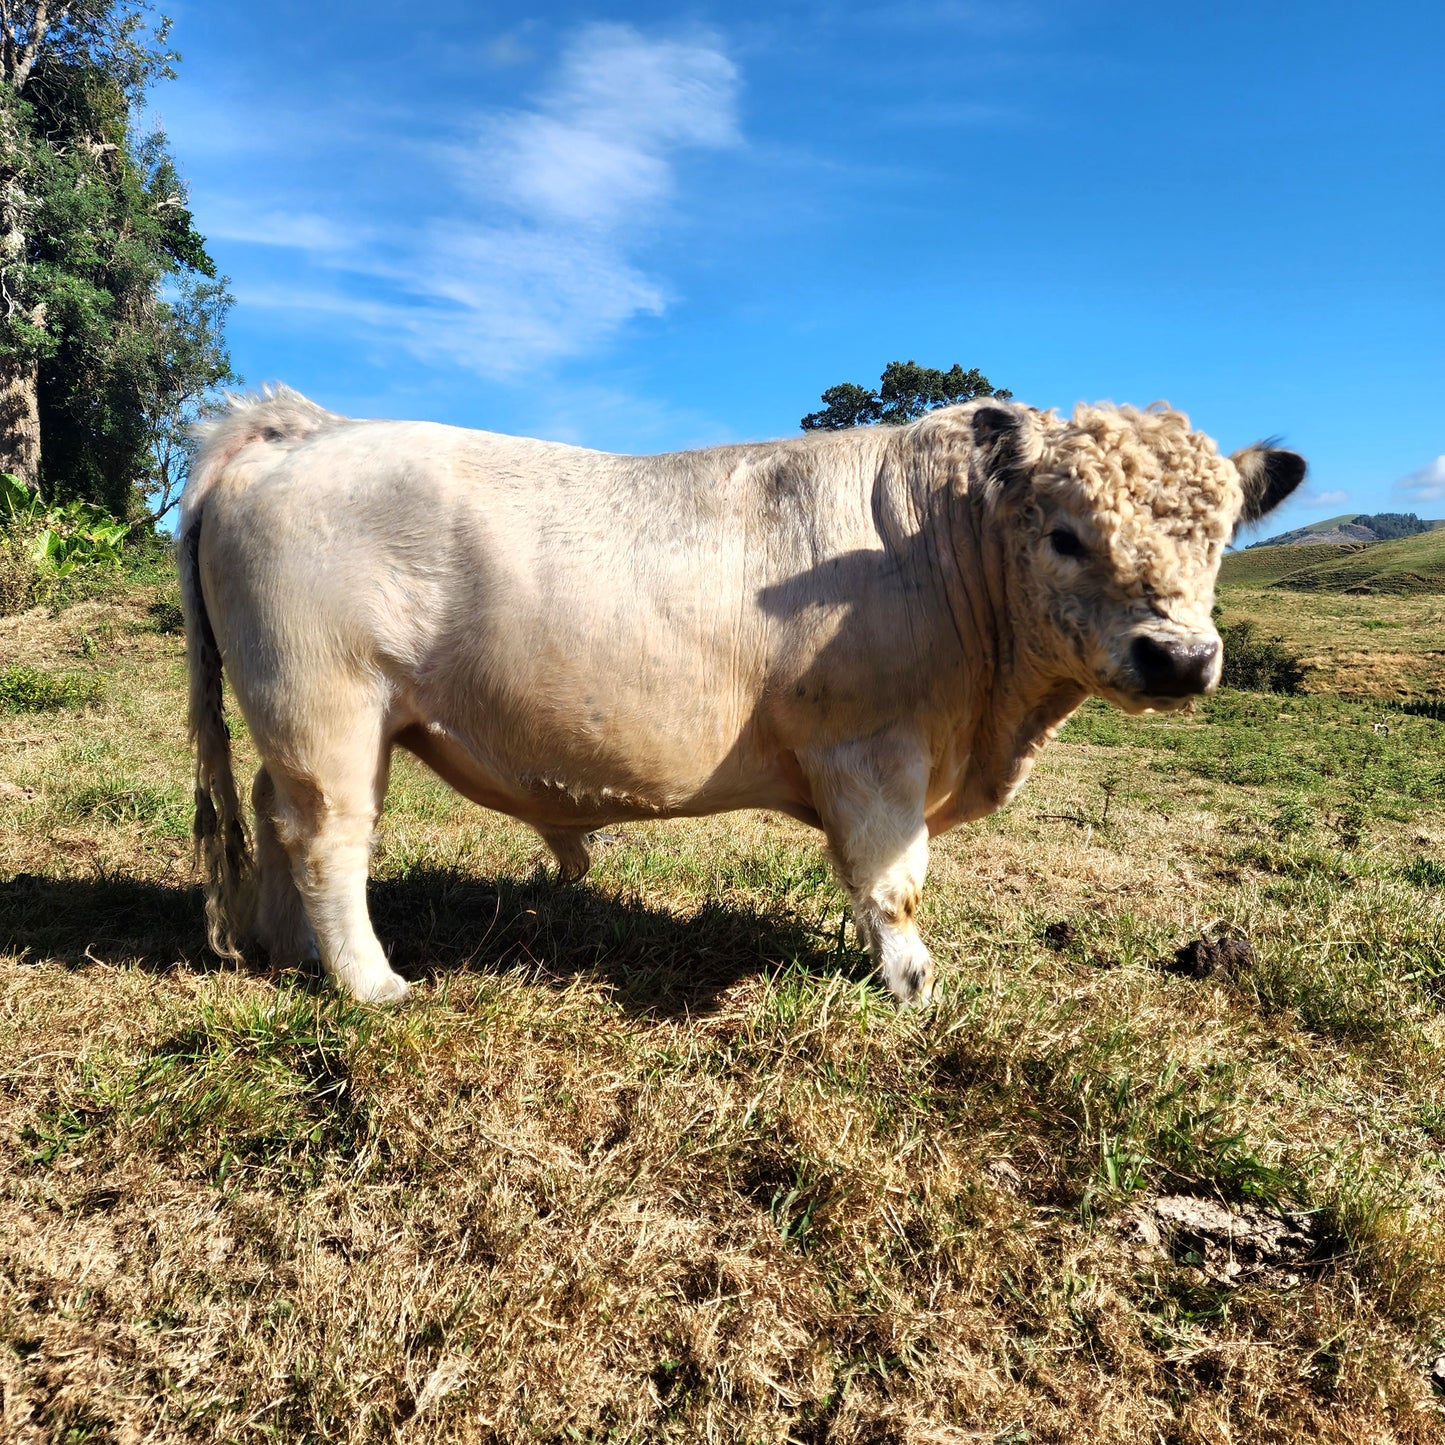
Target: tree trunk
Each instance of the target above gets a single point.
(20, 420)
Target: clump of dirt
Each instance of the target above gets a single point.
(1211, 958)
(1238, 1245)
(1060, 935)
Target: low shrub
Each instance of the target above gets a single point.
(165, 612)
(44, 550)
(1258, 664)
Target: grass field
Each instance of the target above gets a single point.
(1385, 639)
(651, 1158)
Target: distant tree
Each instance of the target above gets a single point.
(905, 391)
(1388, 525)
(111, 315)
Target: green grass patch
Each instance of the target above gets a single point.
(1326, 750)
(1424, 872)
(255, 1085)
(123, 801)
(28, 689)
(1098, 723)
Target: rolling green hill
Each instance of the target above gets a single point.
(1264, 566)
(1407, 565)
(1352, 527)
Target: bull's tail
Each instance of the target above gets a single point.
(223, 845)
(223, 848)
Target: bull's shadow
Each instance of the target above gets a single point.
(435, 922)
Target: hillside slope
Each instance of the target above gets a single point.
(1264, 566)
(1346, 528)
(1408, 565)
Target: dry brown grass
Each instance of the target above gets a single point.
(652, 1159)
(1358, 646)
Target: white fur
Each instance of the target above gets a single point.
(864, 630)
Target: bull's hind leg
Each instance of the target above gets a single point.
(870, 797)
(324, 816)
(570, 847)
(281, 925)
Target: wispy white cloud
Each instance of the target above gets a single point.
(1425, 484)
(531, 250)
(299, 230)
(595, 150)
(508, 49)
(1322, 501)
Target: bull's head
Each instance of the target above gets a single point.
(1117, 521)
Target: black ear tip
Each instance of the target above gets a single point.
(1291, 468)
(1270, 474)
(991, 422)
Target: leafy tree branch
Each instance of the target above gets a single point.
(904, 393)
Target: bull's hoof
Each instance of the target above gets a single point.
(907, 969)
(380, 988)
(922, 996)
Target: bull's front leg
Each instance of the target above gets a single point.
(870, 795)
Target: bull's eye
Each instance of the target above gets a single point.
(1066, 544)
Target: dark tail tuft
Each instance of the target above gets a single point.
(223, 846)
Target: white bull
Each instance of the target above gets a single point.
(874, 631)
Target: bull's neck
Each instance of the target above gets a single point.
(1008, 705)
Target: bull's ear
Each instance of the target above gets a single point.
(1268, 475)
(1008, 439)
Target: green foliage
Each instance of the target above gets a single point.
(66, 537)
(115, 310)
(43, 547)
(27, 689)
(1257, 664)
(1389, 525)
(905, 392)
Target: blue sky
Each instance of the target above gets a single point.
(645, 227)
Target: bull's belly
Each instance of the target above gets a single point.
(554, 786)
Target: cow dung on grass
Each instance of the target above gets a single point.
(874, 631)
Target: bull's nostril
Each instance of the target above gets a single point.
(1152, 662)
(1173, 669)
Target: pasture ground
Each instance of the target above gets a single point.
(651, 1158)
